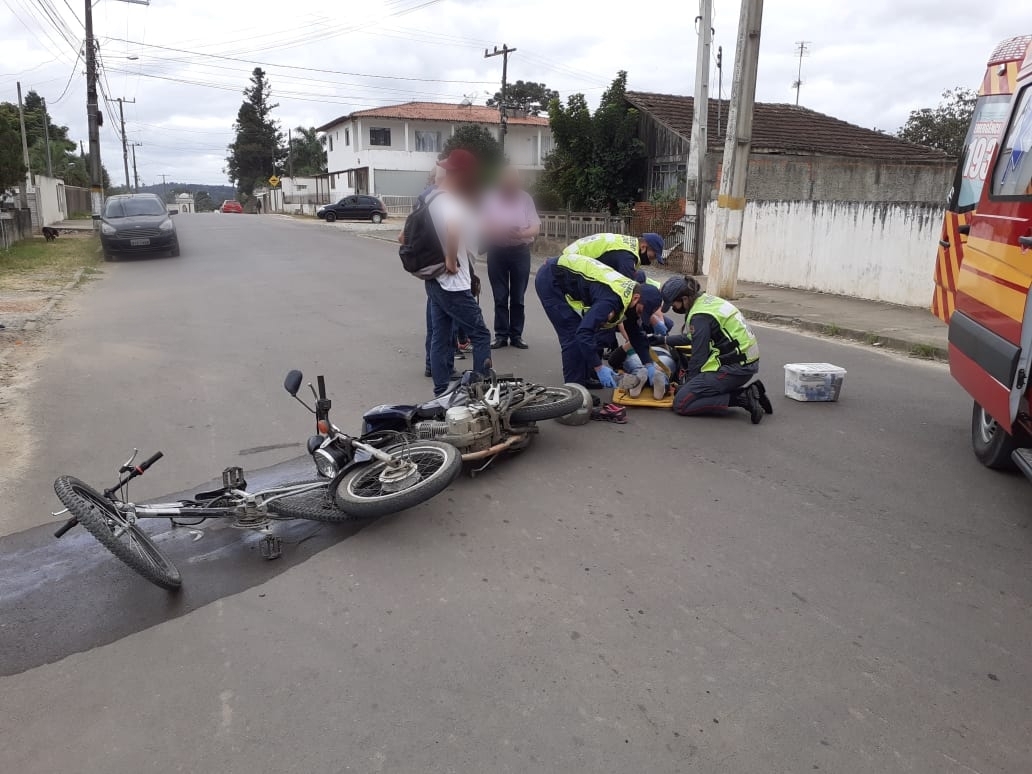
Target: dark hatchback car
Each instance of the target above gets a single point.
(136, 224)
(359, 207)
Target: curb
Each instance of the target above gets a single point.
(915, 349)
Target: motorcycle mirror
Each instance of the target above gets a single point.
(293, 382)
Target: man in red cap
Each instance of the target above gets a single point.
(452, 301)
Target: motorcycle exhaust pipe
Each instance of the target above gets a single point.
(498, 448)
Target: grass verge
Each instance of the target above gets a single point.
(36, 263)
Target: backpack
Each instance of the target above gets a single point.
(421, 252)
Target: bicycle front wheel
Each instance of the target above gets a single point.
(116, 533)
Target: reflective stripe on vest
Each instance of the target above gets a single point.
(594, 271)
(739, 346)
(654, 282)
(597, 245)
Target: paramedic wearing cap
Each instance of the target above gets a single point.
(725, 354)
(581, 297)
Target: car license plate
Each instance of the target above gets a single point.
(139, 242)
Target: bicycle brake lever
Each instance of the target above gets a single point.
(128, 464)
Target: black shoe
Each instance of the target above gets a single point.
(499, 342)
(592, 384)
(460, 355)
(427, 373)
(761, 396)
(753, 406)
(519, 343)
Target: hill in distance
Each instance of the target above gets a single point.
(218, 193)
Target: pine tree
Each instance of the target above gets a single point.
(257, 152)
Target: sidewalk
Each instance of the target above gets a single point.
(907, 329)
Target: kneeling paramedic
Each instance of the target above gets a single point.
(581, 297)
(725, 354)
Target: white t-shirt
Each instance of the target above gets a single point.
(446, 207)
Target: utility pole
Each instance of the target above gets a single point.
(290, 154)
(125, 146)
(46, 139)
(25, 153)
(136, 177)
(503, 52)
(93, 116)
(727, 231)
(695, 189)
(720, 85)
(803, 49)
(164, 189)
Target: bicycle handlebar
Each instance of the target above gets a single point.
(142, 467)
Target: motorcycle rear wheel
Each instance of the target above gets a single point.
(111, 528)
(552, 403)
(363, 493)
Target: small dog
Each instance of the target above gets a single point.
(50, 234)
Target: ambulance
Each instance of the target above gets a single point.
(984, 270)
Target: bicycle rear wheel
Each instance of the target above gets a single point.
(125, 540)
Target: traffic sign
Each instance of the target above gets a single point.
(274, 181)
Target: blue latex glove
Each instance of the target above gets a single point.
(607, 376)
(659, 328)
(651, 370)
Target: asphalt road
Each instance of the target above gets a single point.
(842, 588)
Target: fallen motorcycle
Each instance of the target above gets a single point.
(482, 418)
(377, 474)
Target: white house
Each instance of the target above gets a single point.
(185, 203)
(294, 195)
(391, 150)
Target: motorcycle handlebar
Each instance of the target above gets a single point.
(322, 387)
(66, 526)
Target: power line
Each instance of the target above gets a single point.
(75, 66)
(295, 67)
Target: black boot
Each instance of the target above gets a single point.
(748, 399)
(761, 396)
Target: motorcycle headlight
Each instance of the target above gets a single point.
(166, 225)
(325, 463)
(107, 228)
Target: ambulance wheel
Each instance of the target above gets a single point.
(991, 443)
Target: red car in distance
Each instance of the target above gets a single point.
(231, 205)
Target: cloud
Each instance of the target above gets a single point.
(869, 63)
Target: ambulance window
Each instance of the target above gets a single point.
(1013, 174)
(987, 123)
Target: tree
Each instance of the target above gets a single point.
(309, 155)
(479, 141)
(258, 147)
(12, 166)
(203, 202)
(528, 96)
(944, 127)
(598, 161)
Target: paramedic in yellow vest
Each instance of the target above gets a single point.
(725, 354)
(581, 297)
(624, 253)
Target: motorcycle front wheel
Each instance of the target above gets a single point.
(550, 403)
(416, 472)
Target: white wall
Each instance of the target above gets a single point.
(47, 202)
(874, 250)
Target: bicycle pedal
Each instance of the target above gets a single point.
(233, 478)
(271, 547)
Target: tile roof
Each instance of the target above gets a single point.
(439, 111)
(781, 128)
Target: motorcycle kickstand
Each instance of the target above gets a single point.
(271, 547)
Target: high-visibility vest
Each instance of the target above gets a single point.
(594, 271)
(597, 245)
(737, 345)
(654, 282)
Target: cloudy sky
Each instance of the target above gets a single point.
(185, 61)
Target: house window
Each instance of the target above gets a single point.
(546, 146)
(667, 177)
(301, 187)
(347, 137)
(331, 142)
(380, 136)
(428, 142)
(1013, 176)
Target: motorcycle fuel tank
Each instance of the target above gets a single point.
(396, 417)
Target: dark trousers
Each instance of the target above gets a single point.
(448, 310)
(458, 334)
(508, 269)
(710, 392)
(565, 321)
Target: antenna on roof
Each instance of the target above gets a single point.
(468, 99)
(802, 49)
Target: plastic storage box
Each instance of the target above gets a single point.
(813, 381)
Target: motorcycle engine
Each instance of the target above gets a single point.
(463, 427)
